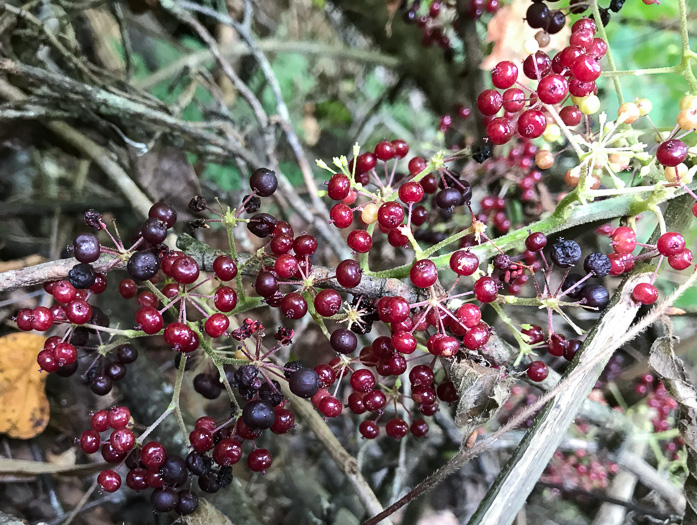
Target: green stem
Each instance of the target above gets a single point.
(115, 331)
(175, 398)
(315, 316)
(365, 263)
(229, 221)
(640, 72)
(610, 58)
(228, 389)
(687, 54)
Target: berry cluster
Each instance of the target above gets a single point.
(571, 72)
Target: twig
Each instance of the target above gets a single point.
(345, 461)
(140, 202)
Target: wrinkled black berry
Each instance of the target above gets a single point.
(251, 204)
(270, 393)
(290, 367)
(197, 204)
(481, 152)
(565, 254)
(198, 464)
(598, 264)
(224, 477)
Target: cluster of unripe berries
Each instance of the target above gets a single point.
(572, 71)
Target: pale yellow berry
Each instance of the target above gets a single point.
(687, 119)
(645, 106)
(531, 46)
(552, 133)
(577, 100)
(688, 101)
(679, 173)
(619, 162)
(589, 105)
(544, 159)
(628, 113)
(369, 215)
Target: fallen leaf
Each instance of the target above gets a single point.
(206, 514)
(508, 31)
(23, 404)
(482, 392)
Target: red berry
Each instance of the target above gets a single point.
(374, 400)
(401, 148)
(227, 452)
(90, 441)
(531, 124)
(552, 89)
(499, 130)
(259, 460)
(411, 192)
(293, 306)
(385, 150)
(423, 273)
(369, 429)
(681, 261)
(670, 243)
(477, 337)
(417, 165)
(109, 480)
(330, 406)
(216, 325)
(327, 303)
(341, 215)
(396, 428)
(225, 268)
(645, 293)
(404, 342)
(390, 214)
(305, 245)
(464, 262)
(513, 100)
(536, 66)
(122, 440)
(348, 273)
(571, 115)
(338, 187)
(149, 320)
(100, 420)
(537, 371)
(65, 354)
(225, 299)
(504, 74)
(586, 68)
(365, 162)
(419, 428)
(485, 289)
(360, 241)
(185, 270)
(623, 240)
(63, 292)
(78, 311)
(119, 417)
(670, 153)
(469, 314)
(489, 102)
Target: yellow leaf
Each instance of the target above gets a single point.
(23, 405)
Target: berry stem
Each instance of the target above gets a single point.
(687, 54)
(233, 400)
(175, 398)
(610, 58)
